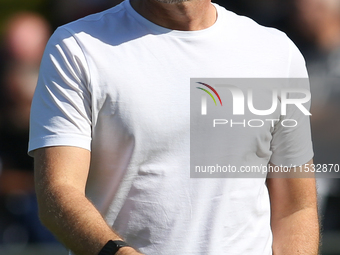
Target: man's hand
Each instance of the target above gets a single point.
(60, 179)
(294, 217)
(128, 251)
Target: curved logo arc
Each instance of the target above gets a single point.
(212, 89)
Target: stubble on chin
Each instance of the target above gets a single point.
(171, 1)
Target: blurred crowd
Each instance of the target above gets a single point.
(24, 40)
(314, 25)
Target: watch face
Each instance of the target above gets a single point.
(119, 244)
(111, 247)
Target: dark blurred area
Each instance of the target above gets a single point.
(24, 39)
(25, 26)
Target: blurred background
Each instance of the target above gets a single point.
(25, 26)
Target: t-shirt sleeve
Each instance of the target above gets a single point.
(61, 106)
(292, 146)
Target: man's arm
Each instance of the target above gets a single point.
(60, 179)
(294, 218)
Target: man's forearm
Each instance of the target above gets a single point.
(294, 216)
(75, 221)
(60, 178)
(297, 233)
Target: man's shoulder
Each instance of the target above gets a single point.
(247, 27)
(96, 22)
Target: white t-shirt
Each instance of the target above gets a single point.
(118, 85)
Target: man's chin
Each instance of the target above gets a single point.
(171, 1)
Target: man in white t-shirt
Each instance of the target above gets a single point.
(111, 115)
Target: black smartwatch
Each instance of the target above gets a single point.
(111, 247)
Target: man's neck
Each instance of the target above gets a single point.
(186, 16)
